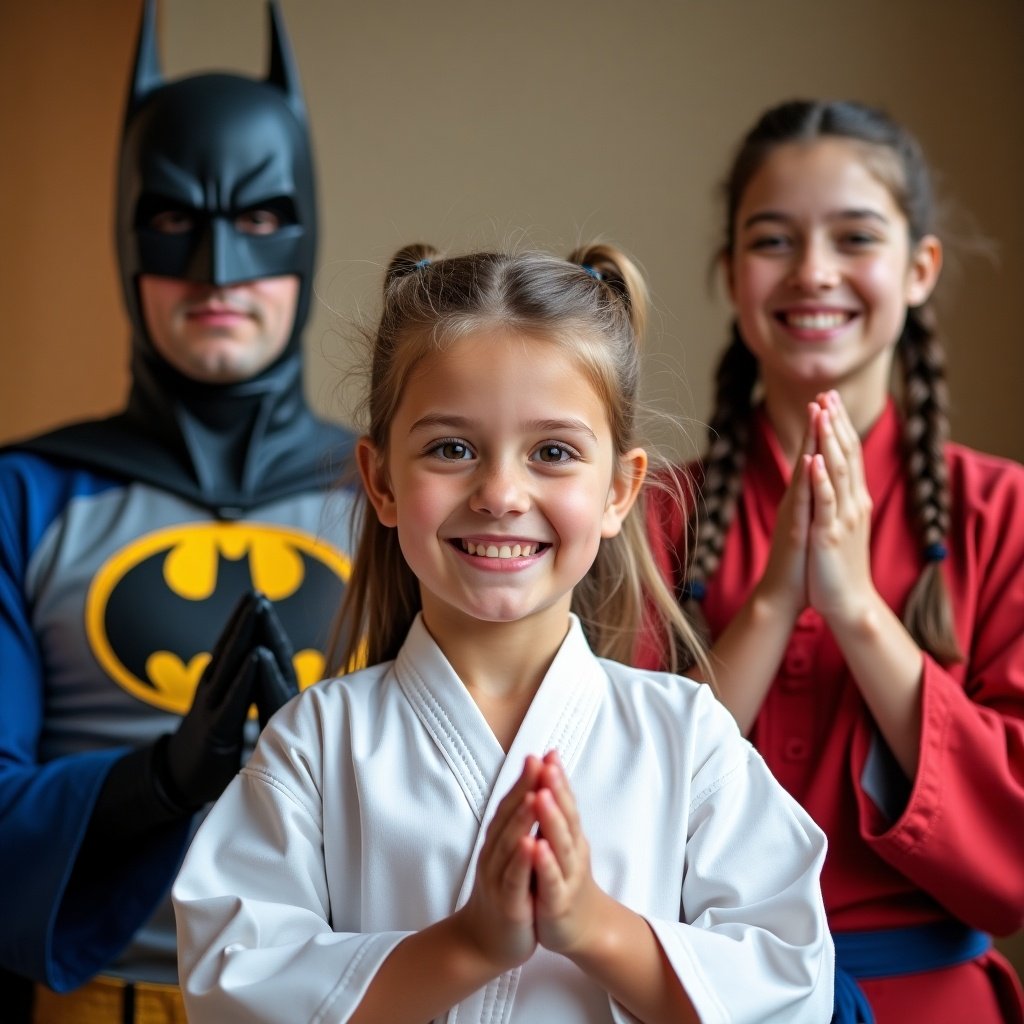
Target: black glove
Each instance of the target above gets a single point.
(276, 682)
(192, 765)
(172, 778)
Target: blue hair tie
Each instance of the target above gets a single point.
(425, 262)
(593, 272)
(694, 590)
(935, 553)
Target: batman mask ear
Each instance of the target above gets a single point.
(147, 75)
(283, 73)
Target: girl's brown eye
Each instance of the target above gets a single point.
(453, 450)
(553, 453)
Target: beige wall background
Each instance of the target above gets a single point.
(541, 122)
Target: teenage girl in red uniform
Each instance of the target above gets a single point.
(862, 578)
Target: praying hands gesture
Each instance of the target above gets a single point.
(822, 535)
(533, 881)
(533, 887)
(820, 559)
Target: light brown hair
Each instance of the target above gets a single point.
(594, 306)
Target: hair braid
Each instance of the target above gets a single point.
(928, 614)
(728, 435)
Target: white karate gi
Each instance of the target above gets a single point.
(360, 817)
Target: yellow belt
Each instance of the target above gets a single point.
(110, 1001)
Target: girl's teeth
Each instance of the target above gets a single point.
(494, 551)
(816, 321)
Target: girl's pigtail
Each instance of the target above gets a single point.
(928, 615)
(410, 259)
(728, 436)
(608, 264)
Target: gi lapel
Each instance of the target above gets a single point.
(560, 718)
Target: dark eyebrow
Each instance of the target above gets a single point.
(853, 213)
(447, 421)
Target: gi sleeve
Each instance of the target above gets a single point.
(752, 943)
(255, 939)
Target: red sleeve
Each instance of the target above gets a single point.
(961, 836)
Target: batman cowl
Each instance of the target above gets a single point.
(213, 145)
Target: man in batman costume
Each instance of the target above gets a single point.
(126, 542)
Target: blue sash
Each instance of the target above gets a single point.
(896, 951)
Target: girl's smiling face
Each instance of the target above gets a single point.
(823, 270)
(501, 478)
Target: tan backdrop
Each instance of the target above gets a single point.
(467, 123)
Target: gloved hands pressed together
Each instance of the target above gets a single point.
(251, 664)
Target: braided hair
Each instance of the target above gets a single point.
(728, 435)
(928, 614)
(897, 159)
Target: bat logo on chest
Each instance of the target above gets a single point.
(156, 607)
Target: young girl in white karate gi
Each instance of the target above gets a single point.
(494, 823)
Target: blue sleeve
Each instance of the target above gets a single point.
(57, 926)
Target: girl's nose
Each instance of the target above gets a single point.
(500, 490)
(815, 267)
